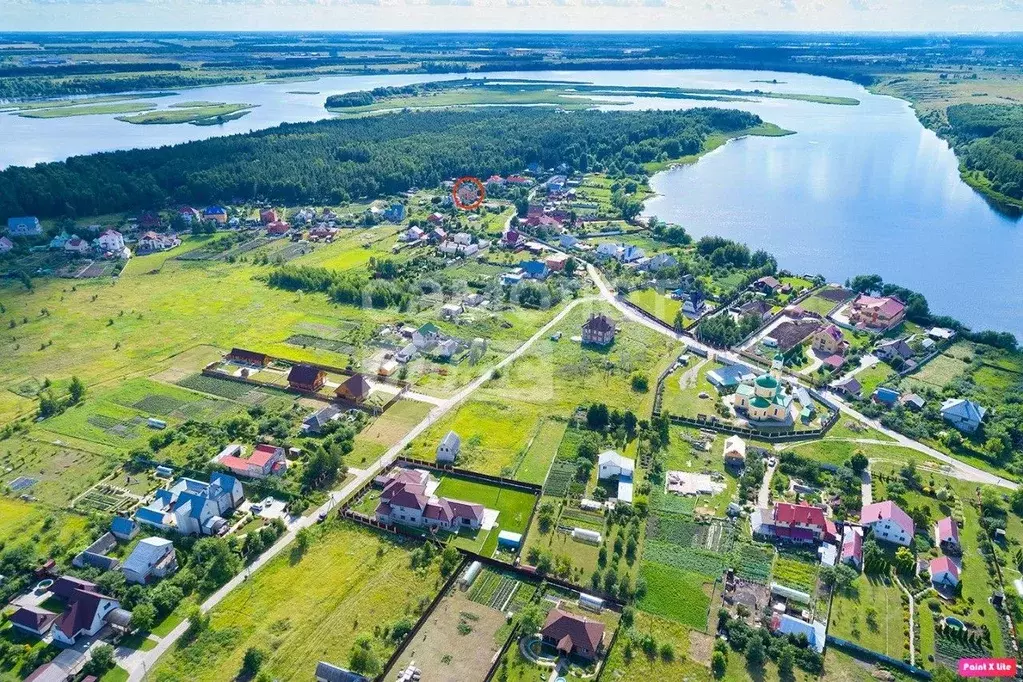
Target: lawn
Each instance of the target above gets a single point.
(514, 506)
(838, 452)
(300, 610)
(639, 666)
(675, 594)
(683, 387)
(386, 430)
(535, 464)
(870, 614)
(872, 377)
(661, 306)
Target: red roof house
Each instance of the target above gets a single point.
(573, 635)
(794, 523)
(946, 531)
(277, 228)
(33, 620)
(944, 572)
(268, 216)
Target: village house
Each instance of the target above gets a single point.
(659, 262)
(189, 215)
(798, 523)
(395, 213)
(534, 269)
(25, 226)
(217, 214)
(426, 335)
(265, 460)
(572, 635)
(355, 388)
(268, 215)
(495, 181)
(306, 378)
(407, 353)
(86, 610)
(829, 340)
(885, 396)
(450, 311)
(111, 240)
(518, 180)
(405, 500)
(877, 313)
(123, 528)
(598, 330)
(963, 414)
(76, 245)
(849, 386)
(852, 546)
(328, 672)
(413, 234)
(192, 507)
(511, 239)
(944, 573)
(758, 307)
(767, 285)
(946, 533)
(888, 522)
(448, 448)
(436, 218)
(153, 241)
(735, 451)
(318, 420)
(694, 303)
(614, 467)
(890, 349)
(248, 357)
(6, 245)
(913, 401)
(568, 241)
(727, 378)
(277, 229)
(32, 620)
(152, 558)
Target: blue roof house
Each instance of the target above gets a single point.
(124, 528)
(886, 396)
(965, 415)
(534, 269)
(25, 226)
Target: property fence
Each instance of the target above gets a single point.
(472, 475)
(714, 424)
(860, 652)
(513, 638)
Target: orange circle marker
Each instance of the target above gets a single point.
(459, 183)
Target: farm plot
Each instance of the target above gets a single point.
(458, 642)
(541, 452)
(943, 369)
(754, 562)
(50, 473)
(559, 478)
(500, 591)
(714, 537)
(104, 498)
(795, 574)
(697, 561)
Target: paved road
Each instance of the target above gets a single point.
(960, 470)
(141, 664)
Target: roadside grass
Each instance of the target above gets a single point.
(351, 582)
(675, 594)
(870, 614)
(838, 452)
(386, 430)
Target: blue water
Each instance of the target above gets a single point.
(861, 189)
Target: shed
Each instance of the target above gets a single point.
(509, 540)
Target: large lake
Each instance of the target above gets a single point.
(861, 189)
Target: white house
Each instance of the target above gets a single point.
(86, 613)
(888, 522)
(193, 507)
(76, 245)
(944, 573)
(152, 558)
(610, 464)
(5, 245)
(448, 448)
(111, 240)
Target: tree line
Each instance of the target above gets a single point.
(989, 138)
(336, 161)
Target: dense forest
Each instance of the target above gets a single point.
(335, 161)
(989, 138)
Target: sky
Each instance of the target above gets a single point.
(520, 15)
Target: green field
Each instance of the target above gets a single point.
(682, 389)
(663, 307)
(50, 532)
(61, 472)
(675, 594)
(350, 582)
